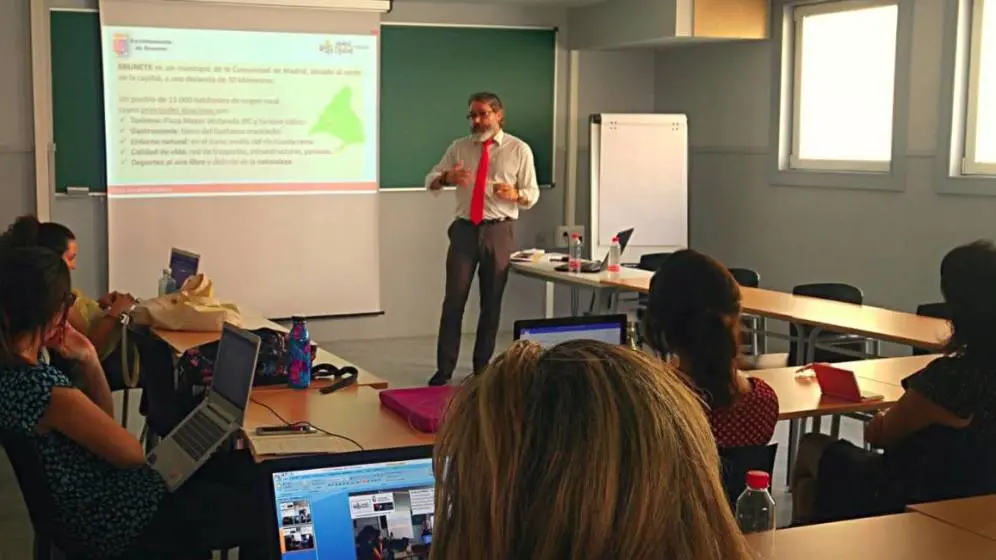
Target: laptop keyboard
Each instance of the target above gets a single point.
(198, 435)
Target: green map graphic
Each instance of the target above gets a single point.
(338, 119)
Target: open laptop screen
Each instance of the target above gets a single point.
(549, 332)
(235, 365)
(183, 265)
(346, 512)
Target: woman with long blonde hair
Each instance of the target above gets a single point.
(583, 450)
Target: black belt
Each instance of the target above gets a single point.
(488, 221)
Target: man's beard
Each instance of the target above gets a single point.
(484, 135)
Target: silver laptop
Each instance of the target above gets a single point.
(219, 415)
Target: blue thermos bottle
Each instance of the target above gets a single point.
(299, 374)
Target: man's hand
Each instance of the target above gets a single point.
(507, 192)
(458, 175)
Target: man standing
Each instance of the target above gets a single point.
(494, 175)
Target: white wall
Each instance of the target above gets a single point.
(888, 243)
(412, 224)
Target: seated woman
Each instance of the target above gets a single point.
(585, 450)
(693, 314)
(99, 320)
(107, 500)
(938, 438)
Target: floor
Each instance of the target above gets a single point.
(403, 362)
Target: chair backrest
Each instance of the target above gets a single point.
(737, 461)
(652, 261)
(835, 291)
(937, 310)
(34, 490)
(746, 277)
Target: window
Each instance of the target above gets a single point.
(980, 118)
(843, 85)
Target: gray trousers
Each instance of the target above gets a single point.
(486, 248)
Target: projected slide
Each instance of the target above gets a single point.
(192, 112)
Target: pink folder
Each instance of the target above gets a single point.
(422, 407)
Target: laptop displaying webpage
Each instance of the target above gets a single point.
(381, 510)
(182, 266)
(552, 335)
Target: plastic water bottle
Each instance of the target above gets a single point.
(756, 512)
(167, 284)
(299, 373)
(574, 254)
(615, 255)
(633, 335)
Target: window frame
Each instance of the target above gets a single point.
(798, 13)
(970, 165)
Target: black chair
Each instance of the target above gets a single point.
(37, 498)
(746, 277)
(737, 461)
(937, 310)
(837, 292)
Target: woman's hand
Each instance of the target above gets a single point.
(72, 344)
(121, 304)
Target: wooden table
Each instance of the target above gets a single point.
(543, 268)
(977, 515)
(863, 320)
(907, 536)
(802, 398)
(354, 412)
(181, 341)
(890, 371)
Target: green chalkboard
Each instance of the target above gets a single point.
(427, 73)
(77, 101)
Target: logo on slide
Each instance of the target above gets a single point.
(121, 45)
(338, 47)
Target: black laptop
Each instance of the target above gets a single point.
(592, 267)
(346, 505)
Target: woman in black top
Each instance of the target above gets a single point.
(938, 439)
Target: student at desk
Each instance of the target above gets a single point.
(99, 320)
(583, 450)
(939, 438)
(693, 314)
(106, 500)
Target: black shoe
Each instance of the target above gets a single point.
(438, 380)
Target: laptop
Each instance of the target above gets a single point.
(841, 384)
(592, 267)
(217, 417)
(183, 265)
(549, 332)
(337, 506)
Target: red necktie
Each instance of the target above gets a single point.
(480, 182)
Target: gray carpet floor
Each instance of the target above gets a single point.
(404, 362)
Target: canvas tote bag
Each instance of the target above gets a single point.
(192, 308)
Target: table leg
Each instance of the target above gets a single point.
(548, 300)
(602, 302)
(796, 426)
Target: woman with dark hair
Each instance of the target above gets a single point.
(99, 320)
(107, 500)
(693, 315)
(938, 438)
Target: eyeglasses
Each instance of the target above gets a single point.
(480, 115)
